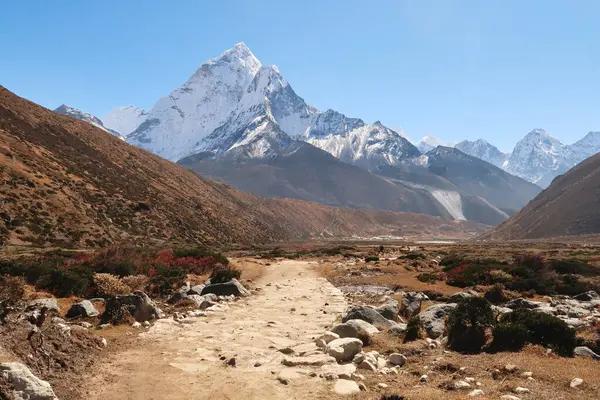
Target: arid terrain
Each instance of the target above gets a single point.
(265, 344)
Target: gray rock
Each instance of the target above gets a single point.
(344, 349)
(411, 304)
(26, 385)
(343, 371)
(355, 328)
(457, 297)
(83, 309)
(587, 296)
(233, 287)
(197, 289)
(583, 351)
(367, 365)
(368, 314)
(390, 310)
(345, 386)
(434, 319)
(202, 302)
(397, 359)
(501, 310)
(522, 303)
(138, 304)
(315, 360)
(177, 297)
(397, 330)
(51, 304)
(328, 337)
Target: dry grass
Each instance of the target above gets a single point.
(252, 269)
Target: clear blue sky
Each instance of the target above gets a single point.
(453, 69)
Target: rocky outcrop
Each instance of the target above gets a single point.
(26, 386)
(368, 314)
(138, 304)
(433, 319)
(344, 349)
(83, 309)
(233, 287)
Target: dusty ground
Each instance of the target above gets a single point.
(182, 361)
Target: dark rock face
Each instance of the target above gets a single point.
(233, 287)
(84, 309)
(587, 296)
(368, 314)
(138, 304)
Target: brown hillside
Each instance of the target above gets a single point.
(569, 206)
(65, 182)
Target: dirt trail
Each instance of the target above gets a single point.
(182, 361)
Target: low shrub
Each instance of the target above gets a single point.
(428, 277)
(509, 337)
(108, 285)
(225, 275)
(413, 256)
(201, 252)
(497, 294)
(414, 329)
(12, 290)
(67, 282)
(164, 280)
(371, 258)
(545, 330)
(136, 282)
(467, 324)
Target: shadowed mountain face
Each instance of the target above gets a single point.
(69, 183)
(569, 206)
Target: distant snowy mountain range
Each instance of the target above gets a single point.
(241, 122)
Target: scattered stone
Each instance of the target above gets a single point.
(85, 324)
(136, 325)
(146, 324)
(522, 303)
(576, 382)
(328, 337)
(390, 310)
(84, 309)
(344, 371)
(26, 386)
(510, 368)
(231, 362)
(233, 287)
(423, 378)
(587, 296)
(509, 397)
(382, 385)
(397, 359)
(286, 376)
(367, 365)
(320, 343)
(457, 297)
(458, 385)
(362, 387)
(50, 304)
(583, 351)
(344, 349)
(433, 319)
(354, 328)
(315, 360)
(345, 386)
(367, 314)
(397, 330)
(197, 289)
(469, 380)
(521, 390)
(476, 393)
(527, 374)
(411, 304)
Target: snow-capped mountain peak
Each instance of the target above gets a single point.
(89, 118)
(483, 150)
(124, 119)
(428, 143)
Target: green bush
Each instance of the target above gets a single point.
(166, 280)
(545, 330)
(413, 256)
(225, 275)
(201, 252)
(509, 337)
(371, 258)
(413, 329)
(67, 282)
(467, 324)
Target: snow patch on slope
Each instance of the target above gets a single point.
(451, 201)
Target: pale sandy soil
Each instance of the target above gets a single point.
(182, 361)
